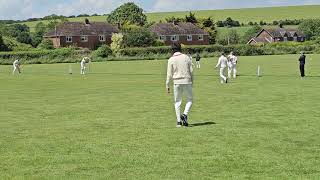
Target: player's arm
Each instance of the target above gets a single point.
(169, 76)
(218, 64)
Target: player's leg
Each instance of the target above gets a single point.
(177, 102)
(234, 71)
(14, 69)
(224, 79)
(188, 90)
(229, 71)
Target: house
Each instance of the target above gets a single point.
(185, 33)
(266, 36)
(82, 34)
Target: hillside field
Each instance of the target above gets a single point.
(117, 122)
(268, 14)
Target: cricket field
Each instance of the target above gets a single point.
(117, 122)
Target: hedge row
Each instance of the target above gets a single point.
(43, 56)
(241, 50)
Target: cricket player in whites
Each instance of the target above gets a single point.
(83, 65)
(232, 65)
(180, 71)
(223, 61)
(16, 66)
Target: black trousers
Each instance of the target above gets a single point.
(302, 70)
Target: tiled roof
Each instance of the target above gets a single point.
(81, 28)
(177, 29)
(281, 32)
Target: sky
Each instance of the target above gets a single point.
(24, 9)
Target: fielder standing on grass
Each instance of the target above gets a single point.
(223, 61)
(16, 66)
(232, 65)
(302, 61)
(198, 60)
(180, 71)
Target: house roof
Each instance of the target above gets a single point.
(177, 29)
(81, 28)
(259, 40)
(281, 32)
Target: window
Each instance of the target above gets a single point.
(162, 38)
(189, 38)
(69, 39)
(200, 37)
(174, 38)
(84, 38)
(102, 38)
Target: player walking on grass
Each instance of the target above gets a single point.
(232, 65)
(180, 71)
(16, 66)
(302, 61)
(222, 62)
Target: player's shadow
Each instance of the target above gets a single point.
(202, 124)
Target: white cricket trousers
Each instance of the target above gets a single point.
(15, 68)
(198, 64)
(232, 68)
(83, 70)
(222, 76)
(179, 90)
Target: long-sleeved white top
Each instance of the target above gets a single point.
(233, 59)
(16, 62)
(223, 61)
(179, 69)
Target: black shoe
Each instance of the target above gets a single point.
(184, 119)
(179, 124)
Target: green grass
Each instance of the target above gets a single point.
(118, 123)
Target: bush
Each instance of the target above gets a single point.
(139, 37)
(117, 42)
(103, 52)
(46, 44)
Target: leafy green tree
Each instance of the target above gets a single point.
(191, 18)
(128, 13)
(141, 37)
(37, 36)
(174, 20)
(311, 28)
(24, 37)
(234, 37)
(1, 40)
(250, 33)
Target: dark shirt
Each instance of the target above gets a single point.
(302, 59)
(198, 57)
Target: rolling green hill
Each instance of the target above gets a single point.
(267, 14)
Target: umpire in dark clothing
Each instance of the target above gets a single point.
(302, 61)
